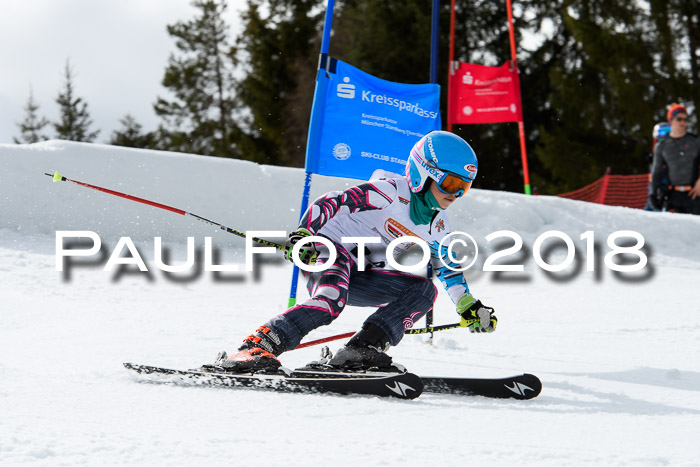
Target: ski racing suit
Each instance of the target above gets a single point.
(378, 208)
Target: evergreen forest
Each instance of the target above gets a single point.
(596, 76)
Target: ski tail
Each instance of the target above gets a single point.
(399, 385)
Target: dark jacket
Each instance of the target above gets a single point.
(680, 157)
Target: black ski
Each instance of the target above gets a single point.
(401, 385)
(525, 386)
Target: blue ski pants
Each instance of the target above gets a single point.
(400, 298)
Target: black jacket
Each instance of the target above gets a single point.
(680, 157)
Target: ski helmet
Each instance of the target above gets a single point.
(438, 155)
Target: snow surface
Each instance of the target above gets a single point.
(617, 352)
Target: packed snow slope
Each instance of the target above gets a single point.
(617, 352)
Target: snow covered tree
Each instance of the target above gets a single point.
(199, 118)
(75, 121)
(131, 135)
(32, 125)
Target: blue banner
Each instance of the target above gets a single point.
(361, 123)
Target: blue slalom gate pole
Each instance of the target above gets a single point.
(313, 138)
(434, 41)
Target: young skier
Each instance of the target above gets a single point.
(440, 169)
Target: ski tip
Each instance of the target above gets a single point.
(535, 385)
(57, 177)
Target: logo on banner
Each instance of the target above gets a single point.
(341, 151)
(346, 91)
(357, 108)
(483, 94)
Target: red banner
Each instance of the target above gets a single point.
(484, 94)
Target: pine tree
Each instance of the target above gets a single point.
(611, 67)
(691, 21)
(131, 135)
(279, 46)
(32, 125)
(678, 26)
(481, 37)
(594, 85)
(391, 40)
(75, 121)
(200, 118)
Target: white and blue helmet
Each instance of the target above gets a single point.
(437, 155)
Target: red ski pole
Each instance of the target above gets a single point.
(60, 178)
(425, 330)
(325, 339)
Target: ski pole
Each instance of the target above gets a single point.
(428, 329)
(425, 330)
(325, 339)
(60, 178)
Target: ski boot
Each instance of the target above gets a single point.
(364, 352)
(257, 354)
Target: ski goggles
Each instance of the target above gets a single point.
(453, 185)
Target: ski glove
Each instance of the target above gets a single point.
(476, 316)
(307, 253)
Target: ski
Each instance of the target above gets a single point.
(400, 385)
(525, 386)
(315, 379)
(522, 387)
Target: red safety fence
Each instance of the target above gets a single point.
(631, 191)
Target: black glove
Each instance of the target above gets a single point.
(307, 253)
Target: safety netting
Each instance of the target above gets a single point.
(631, 191)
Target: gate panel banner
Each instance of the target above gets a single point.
(484, 94)
(361, 123)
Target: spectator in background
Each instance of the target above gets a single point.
(678, 155)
